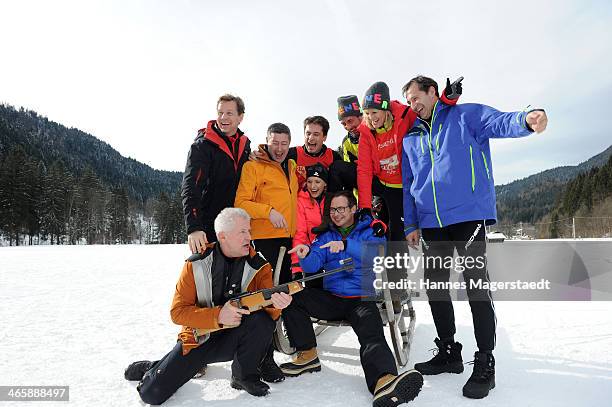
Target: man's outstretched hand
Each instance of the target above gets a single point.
(537, 120)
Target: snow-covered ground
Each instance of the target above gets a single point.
(78, 315)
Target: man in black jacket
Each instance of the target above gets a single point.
(213, 170)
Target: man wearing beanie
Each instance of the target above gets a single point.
(350, 116)
(344, 173)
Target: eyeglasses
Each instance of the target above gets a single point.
(340, 210)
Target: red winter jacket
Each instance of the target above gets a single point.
(308, 216)
(371, 144)
(303, 159)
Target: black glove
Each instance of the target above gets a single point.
(363, 212)
(453, 90)
(378, 227)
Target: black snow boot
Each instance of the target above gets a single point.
(251, 385)
(135, 371)
(483, 377)
(447, 359)
(269, 370)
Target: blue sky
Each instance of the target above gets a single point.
(145, 75)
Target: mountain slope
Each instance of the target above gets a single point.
(47, 141)
(530, 199)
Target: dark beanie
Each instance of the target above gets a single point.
(377, 97)
(348, 106)
(317, 170)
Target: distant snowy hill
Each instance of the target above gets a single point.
(78, 315)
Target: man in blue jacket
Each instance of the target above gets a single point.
(449, 198)
(347, 295)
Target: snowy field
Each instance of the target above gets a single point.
(79, 315)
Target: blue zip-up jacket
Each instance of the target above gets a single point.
(361, 247)
(446, 170)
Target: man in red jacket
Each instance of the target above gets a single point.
(314, 149)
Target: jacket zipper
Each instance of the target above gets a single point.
(431, 156)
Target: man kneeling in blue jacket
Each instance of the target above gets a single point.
(449, 196)
(346, 296)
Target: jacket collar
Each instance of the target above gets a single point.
(438, 108)
(316, 155)
(361, 223)
(216, 137)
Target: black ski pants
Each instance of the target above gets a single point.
(468, 238)
(246, 345)
(364, 317)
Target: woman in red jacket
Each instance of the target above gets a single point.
(310, 204)
(379, 170)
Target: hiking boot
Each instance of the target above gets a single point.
(269, 370)
(252, 386)
(447, 359)
(483, 377)
(394, 390)
(304, 361)
(135, 371)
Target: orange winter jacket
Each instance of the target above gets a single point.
(185, 311)
(263, 185)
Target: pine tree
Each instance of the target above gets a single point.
(160, 216)
(13, 194)
(554, 226)
(178, 224)
(56, 202)
(90, 212)
(148, 224)
(33, 172)
(117, 210)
